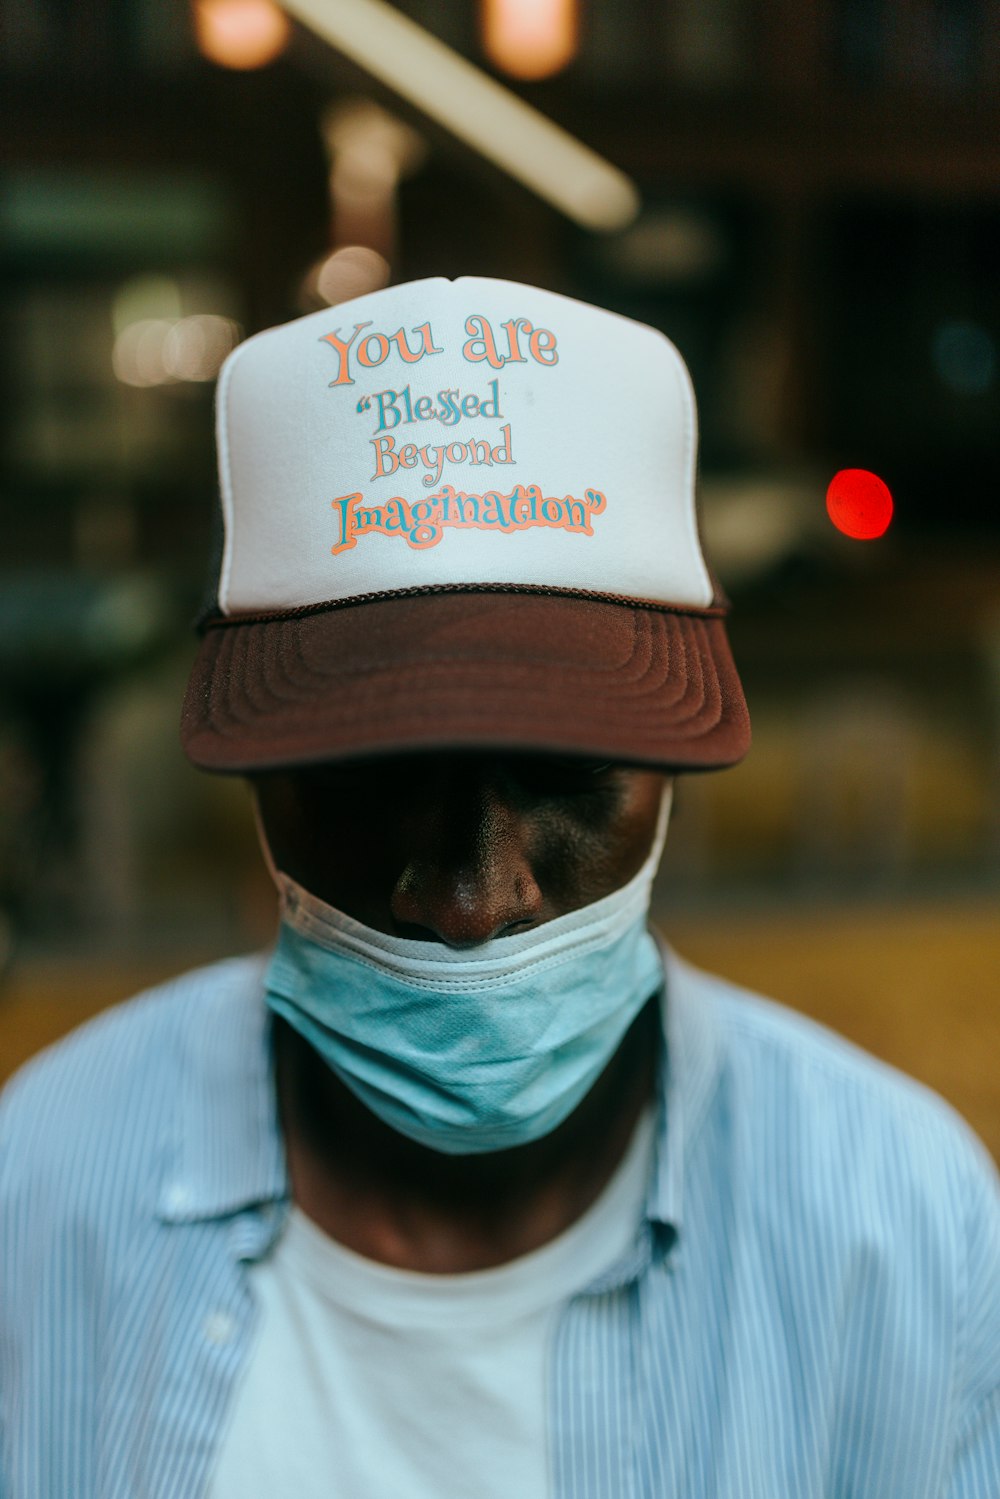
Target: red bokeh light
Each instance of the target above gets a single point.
(859, 504)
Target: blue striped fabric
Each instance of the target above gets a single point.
(811, 1307)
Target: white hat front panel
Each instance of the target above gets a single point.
(469, 431)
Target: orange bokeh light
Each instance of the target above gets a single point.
(530, 39)
(859, 503)
(242, 34)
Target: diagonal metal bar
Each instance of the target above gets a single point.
(476, 108)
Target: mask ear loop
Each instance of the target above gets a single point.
(662, 821)
(276, 874)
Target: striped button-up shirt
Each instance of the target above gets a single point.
(810, 1308)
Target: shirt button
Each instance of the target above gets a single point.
(219, 1328)
(177, 1197)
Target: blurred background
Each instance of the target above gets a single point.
(803, 194)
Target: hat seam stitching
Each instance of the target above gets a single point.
(300, 611)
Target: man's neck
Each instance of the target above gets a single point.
(392, 1200)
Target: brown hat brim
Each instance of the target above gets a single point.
(472, 669)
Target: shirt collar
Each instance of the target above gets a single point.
(689, 1071)
(690, 1063)
(226, 1151)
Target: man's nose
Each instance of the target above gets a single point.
(469, 877)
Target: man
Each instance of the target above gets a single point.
(469, 1187)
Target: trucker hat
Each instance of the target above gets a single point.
(461, 514)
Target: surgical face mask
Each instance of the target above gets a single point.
(475, 1050)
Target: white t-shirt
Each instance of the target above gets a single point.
(367, 1381)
